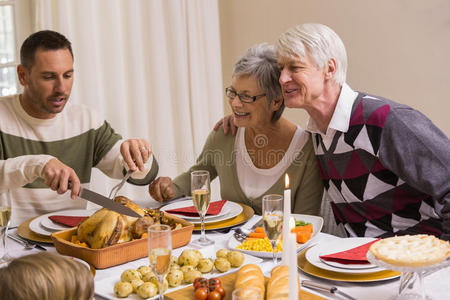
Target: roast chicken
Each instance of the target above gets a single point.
(105, 227)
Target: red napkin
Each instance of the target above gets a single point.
(351, 256)
(71, 221)
(190, 211)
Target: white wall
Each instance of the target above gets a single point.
(396, 49)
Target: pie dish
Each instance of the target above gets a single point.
(411, 250)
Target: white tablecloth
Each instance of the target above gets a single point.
(436, 285)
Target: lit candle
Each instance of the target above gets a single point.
(292, 261)
(286, 216)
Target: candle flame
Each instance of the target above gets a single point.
(286, 181)
(291, 223)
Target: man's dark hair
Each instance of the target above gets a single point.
(45, 39)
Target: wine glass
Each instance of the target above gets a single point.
(272, 211)
(5, 217)
(159, 252)
(201, 196)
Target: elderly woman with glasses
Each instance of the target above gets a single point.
(254, 162)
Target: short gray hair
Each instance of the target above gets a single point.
(260, 61)
(320, 42)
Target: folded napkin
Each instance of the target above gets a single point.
(190, 211)
(351, 256)
(71, 221)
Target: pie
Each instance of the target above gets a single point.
(411, 250)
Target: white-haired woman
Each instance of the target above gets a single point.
(266, 146)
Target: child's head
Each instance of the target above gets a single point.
(46, 276)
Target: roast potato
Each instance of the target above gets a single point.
(190, 275)
(222, 264)
(175, 277)
(205, 265)
(144, 270)
(135, 283)
(189, 257)
(147, 290)
(123, 289)
(235, 258)
(222, 253)
(129, 275)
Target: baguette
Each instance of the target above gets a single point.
(250, 276)
(278, 285)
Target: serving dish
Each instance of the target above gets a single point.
(317, 227)
(228, 284)
(118, 253)
(105, 287)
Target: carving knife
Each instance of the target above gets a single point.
(107, 203)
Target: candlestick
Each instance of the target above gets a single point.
(292, 259)
(286, 216)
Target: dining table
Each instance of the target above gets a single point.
(436, 284)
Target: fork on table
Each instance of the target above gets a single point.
(241, 234)
(27, 245)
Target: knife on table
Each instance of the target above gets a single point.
(330, 289)
(106, 202)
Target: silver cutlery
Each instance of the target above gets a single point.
(118, 186)
(241, 234)
(28, 245)
(323, 287)
(103, 201)
(304, 246)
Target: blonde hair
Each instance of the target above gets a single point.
(317, 40)
(46, 276)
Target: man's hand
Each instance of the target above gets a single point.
(162, 189)
(57, 176)
(228, 123)
(135, 153)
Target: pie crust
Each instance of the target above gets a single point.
(411, 250)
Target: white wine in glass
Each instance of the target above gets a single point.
(5, 217)
(159, 252)
(201, 199)
(272, 211)
(201, 196)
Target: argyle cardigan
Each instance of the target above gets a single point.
(388, 174)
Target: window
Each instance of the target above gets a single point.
(8, 55)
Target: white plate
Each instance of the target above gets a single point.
(37, 227)
(52, 226)
(229, 210)
(317, 227)
(225, 210)
(105, 287)
(337, 245)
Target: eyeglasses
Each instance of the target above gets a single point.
(231, 94)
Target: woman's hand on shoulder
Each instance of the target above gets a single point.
(162, 189)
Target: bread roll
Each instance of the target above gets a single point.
(278, 285)
(250, 276)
